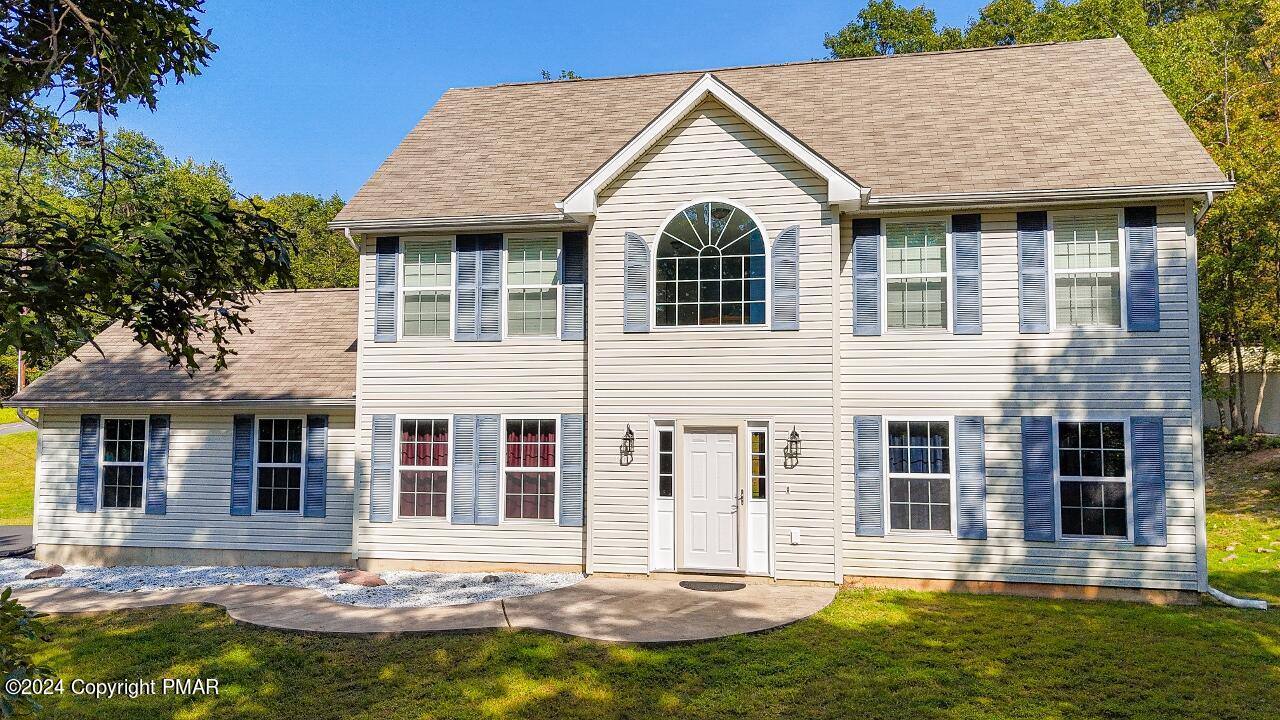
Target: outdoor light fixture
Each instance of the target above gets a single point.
(791, 454)
(628, 449)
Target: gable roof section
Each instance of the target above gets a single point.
(999, 120)
(302, 349)
(841, 189)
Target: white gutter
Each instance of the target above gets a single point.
(1208, 200)
(1246, 603)
(308, 402)
(461, 221)
(1033, 196)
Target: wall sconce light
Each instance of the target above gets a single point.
(627, 451)
(791, 453)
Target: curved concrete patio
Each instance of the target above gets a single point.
(610, 609)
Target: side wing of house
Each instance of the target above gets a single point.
(1080, 405)
(470, 395)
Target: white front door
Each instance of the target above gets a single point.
(710, 507)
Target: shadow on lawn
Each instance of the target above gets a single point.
(872, 654)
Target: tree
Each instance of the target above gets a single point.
(1216, 60)
(324, 258)
(564, 75)
(84, 239)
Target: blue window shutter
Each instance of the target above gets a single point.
(157, 465)
(242, 465)
(1037, 478)
(573, 323)
(868, 476)
(87, 473)
(385, 281)
(866, 277)
(317, 470)
(1148, 481)
(478, 288)
(786, 279)
(971, 478)
(462, 489)
(966, 237)
(1143, 280)
(491, 287)
(635, 285)
(1033, 272)
(466, 301)
(571, 454)
(381, 475)
(488, 447)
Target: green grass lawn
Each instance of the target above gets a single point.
(17, 477)
(1243, 524)
(9, 415)
(871, 654)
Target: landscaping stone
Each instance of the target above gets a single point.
(489, 579)
(361, 578)
(52, 571)
(401, 588)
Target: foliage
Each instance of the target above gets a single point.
(564, 75)
(97, 228)
(18, 628)
(1217, 63)
(324, 257)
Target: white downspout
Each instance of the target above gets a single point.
(1215, 593)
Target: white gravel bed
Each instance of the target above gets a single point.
(403, 589)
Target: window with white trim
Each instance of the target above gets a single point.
(1087, 268)
(530, 469)
(427, 283)
(424, 468)
(124, 461)
(710, 268)
(1093, 479)
(533, 277)
(920, 475)
(666, 461)
(278, 465)
(916, 274)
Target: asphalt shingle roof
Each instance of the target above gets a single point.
(1029, 117)
(303, 347)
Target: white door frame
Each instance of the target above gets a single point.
(739, 429)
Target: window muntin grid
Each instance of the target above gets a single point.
(532, 286)
(1087, 269)
(124, 448)
(427, 284)
(424, 468)
(919, 475)
(278, 465)
(710, 268)
(530, 469)
(916, 274)
(1093, 483)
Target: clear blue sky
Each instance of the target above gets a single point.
(312, 96)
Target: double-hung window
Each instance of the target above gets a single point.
(1087, 270)
(916, 279)
(424, 468)
(920, 475)
(278, 466)
(532, 293)
(124, 448)
(1093, 479)
(530, 469)
(427, 282)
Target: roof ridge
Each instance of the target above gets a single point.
(816, 61)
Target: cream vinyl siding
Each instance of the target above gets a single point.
(688, 373)
(199, 490)
(1002, 375)
(438, 377)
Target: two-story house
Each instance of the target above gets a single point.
(924, 320)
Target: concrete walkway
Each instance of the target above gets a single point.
(13, 428)
(614, 610)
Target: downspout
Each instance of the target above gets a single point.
(346, 231)
(1215, 593)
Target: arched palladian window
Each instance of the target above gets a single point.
(710, 268)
